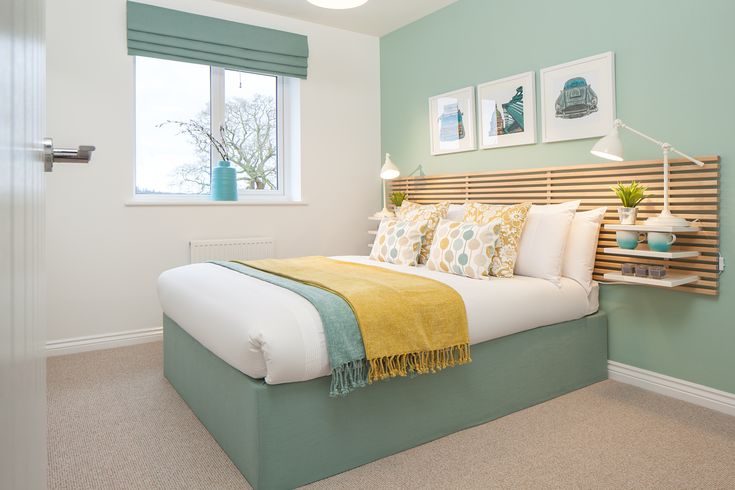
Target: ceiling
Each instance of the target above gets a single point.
(376, 17)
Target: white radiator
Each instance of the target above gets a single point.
(231, 249)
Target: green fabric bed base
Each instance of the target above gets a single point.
(283, 436)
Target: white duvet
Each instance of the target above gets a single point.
(269, 332)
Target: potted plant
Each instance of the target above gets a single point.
(630, 196)
(397, 198)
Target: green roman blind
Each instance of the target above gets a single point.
(172, 35)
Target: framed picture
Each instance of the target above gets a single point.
(452, 121)
(578, 99)
(508, 111)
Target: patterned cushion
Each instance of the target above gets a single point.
(465, 249)
(513, 218)
(410, 211)
(398, 242)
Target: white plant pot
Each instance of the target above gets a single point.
(627, 216)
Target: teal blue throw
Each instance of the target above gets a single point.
(344, 341)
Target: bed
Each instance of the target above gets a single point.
(250, 359)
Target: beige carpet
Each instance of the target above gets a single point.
(116, 423)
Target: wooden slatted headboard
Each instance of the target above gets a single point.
(694, 195)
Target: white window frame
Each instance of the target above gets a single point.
(217, 97)
(288, 140)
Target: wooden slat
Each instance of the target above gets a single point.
(710, 159)
(694, 195)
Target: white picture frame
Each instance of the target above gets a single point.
(593, 114)
(452, 122)
(507, 109)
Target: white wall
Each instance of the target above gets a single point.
(104, 257)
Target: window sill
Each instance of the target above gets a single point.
(193, 201)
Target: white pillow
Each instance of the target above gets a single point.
(579, 256)
(456, 212)
(544, 238)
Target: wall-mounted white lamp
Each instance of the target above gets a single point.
(338, 4)
(388, 171)
(611, 148)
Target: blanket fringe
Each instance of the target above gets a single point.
(348, 377)
(418, 362)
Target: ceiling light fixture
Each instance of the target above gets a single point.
(337, 4)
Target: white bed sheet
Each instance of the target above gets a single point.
(269, 332)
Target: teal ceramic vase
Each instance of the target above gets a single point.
(224, 182)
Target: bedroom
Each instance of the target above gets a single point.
(86, 254)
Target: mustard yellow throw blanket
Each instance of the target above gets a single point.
(409, 324)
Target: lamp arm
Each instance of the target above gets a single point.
(419, 169)
(621, 124)
(691, 159)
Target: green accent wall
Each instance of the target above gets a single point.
(675, 80)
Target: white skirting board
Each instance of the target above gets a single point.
(106, 341)
(697, 394)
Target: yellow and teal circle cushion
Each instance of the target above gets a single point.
(399, 242)
(465, 249)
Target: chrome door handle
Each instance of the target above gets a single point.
(52, 155)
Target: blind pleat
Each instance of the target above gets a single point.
(169, 34)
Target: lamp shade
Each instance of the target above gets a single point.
(609, 147)
(389, 170)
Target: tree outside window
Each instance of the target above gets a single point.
(182, 132)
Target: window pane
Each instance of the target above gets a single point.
(250, 130)
(172, 99)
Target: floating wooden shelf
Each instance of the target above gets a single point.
(645, 228)
(644, 252)
(672, 279)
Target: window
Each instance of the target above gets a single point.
(181, 106)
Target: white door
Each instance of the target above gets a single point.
(22, 322)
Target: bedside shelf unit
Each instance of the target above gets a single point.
(638, 252)
(373, 232)
(672, 279)
(646, 228)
